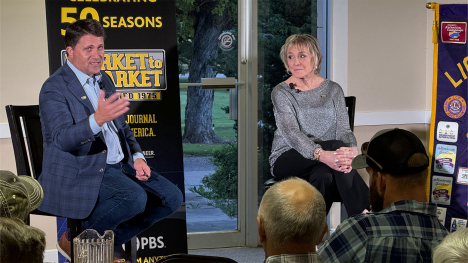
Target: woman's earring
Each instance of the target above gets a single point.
(289, 72)
(315, 70)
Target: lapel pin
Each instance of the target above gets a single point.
(324, 95)
(83, 97)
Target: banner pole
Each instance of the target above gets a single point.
(435, 25)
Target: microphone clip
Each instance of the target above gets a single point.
(291, 85)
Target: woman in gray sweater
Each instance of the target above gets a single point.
(314, 140)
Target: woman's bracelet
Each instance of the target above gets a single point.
(318, 151)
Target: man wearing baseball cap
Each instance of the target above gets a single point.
(403, 226)
(19, 195)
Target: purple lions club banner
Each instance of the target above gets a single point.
(448, 180)
(141, 59)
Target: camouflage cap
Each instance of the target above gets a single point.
(19, 195)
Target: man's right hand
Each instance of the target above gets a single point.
(111, 108)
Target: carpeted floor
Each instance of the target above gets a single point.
(239, 254)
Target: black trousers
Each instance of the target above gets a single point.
(334, 186)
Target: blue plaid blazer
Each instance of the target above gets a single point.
(74, 159)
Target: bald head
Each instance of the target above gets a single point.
(293, 211)
(298, 193)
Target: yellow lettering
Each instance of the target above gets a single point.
(113, 21)
(132, 78)
(145, 79)
(141, 118)
(158, 20)
(105, 21)
(89, 10)
(66, 18)
(130, 21)
(121, 79)
(461, 70)
(122, 22)
(139, 19)
(129, 61)
(142, 60)
(465, 62)
(106, 64)
(149, 22)
(455, 84)
(117, 63)
(158, 63)
(156, 77)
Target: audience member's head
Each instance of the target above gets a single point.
(397, 162)
(291, 218)
(20, 243)
(453, 249)
(19, 195)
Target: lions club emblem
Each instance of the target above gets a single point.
(455, 107)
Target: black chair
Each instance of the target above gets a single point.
(186, 258)
(28, 116)
(351, 106)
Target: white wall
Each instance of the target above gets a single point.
(382, 54)
(23, 69)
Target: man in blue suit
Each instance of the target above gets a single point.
(93, 168)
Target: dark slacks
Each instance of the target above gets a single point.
(128, 206)
(335, 186)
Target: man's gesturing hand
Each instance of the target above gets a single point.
(111, 108)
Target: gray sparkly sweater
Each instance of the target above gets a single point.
(306, 117)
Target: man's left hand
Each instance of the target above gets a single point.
(143, 172)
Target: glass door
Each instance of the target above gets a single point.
(228, 129)
(277, 20)
(208, 51)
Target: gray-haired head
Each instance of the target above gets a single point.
(453, 249)
(293, 211)
(306, 41)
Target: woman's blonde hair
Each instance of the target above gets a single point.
(302, 41)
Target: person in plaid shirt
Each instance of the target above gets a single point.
(291, 222)
(403, 226)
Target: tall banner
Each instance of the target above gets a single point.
(141, 59)
(448, 180)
